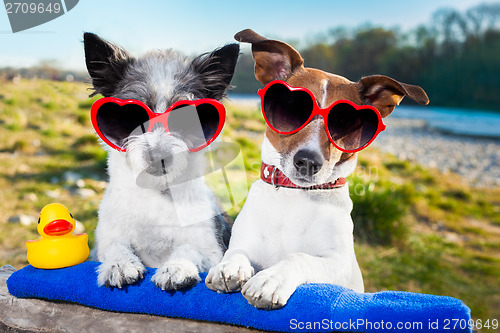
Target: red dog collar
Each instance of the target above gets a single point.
(274, 176)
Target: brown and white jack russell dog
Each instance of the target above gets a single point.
(285, 237)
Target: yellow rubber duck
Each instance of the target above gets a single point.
(57, 247)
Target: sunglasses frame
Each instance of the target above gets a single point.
(324, 113)
(152, 115)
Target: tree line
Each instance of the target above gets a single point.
(455, 58)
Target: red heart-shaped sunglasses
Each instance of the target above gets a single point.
(197, 122)
(349, 127)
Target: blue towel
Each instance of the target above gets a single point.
(312, 308)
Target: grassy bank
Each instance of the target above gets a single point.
(416, 229)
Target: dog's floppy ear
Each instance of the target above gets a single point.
(106, 63)
(385, 93)
(274, 60)
(216, 70)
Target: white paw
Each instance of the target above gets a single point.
(175, 275)
(119, 274)
(268, 290)
(229, 276)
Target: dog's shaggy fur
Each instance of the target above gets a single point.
(144, 220)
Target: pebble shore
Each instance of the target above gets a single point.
(477, 160)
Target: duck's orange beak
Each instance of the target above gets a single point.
(58, 228)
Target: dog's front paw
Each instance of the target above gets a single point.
(268, 290)
(118, 274)
(229, 276)
(175, 275)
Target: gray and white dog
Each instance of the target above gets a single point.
(140, 226)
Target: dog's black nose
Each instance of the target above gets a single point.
(158, 162)
(307, 162)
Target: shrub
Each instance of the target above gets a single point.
(89, 152)
(87, 139)
(379, 211)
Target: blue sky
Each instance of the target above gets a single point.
(195, 26)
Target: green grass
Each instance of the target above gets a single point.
(415, 228)
(42, 140)
(379, 211)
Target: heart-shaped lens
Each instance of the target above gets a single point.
(196, 124)
(116, 122)
(352, 128)
(286, 110)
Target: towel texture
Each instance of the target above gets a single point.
(312, 308)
